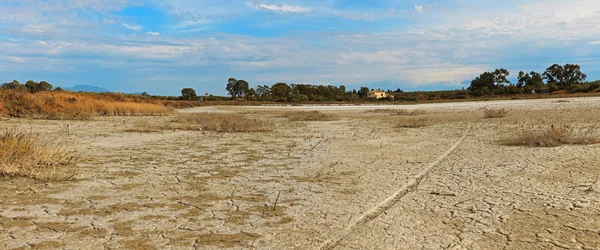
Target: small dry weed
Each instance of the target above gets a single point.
(309, 116)
(555, 136)
(22, 154)
(412, 123)
(218, 122)
(495, 113)
(398, 111)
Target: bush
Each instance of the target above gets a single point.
(22, 154)
(309, 116)
(555, 136)
(412, 123)
(495, 113)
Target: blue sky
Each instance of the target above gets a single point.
(162, 46)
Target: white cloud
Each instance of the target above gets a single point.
(132, 27)
(153, 33)
(594, 42)
(419, 8)
(283, 8)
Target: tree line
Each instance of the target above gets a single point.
(283, 92)
(556, 77)
(30, 86)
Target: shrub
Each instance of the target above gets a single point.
(554, 136)
(412, 123)
(22, 154)
(495, 113)
(309, 116)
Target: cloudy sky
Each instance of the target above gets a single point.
(162, 46)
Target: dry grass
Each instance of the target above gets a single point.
(412, 122)
(219, 122)
(398, 112)
(495, 113)
(22, 154)
(555, 136)
(309, 116)
(78, 106)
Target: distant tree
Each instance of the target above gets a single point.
(14, 85)
(536, 80)
(572, 75)
(263, 91)
(522, 79)
(241, 88)
(58, 89)
(31, 86)
(145, 94)
(231, 86)
(188, 94)
(236, 88)
(362, 93)
(564, 76)
(281, 91)
(488, 82)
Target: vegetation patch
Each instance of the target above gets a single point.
(218, 122)
(554, 136)
(309, 116)
(412, 122)
(399, 111)
(22, 154)
(495, 113)
(78, 106)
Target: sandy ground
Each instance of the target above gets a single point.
(357, 182)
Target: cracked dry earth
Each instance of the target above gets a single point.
(357, 182)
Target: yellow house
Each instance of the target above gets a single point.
(378, 94)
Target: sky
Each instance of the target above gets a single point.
(162, 46)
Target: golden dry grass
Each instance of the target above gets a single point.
(22, 154)
(309, 116)
(219, 122)
(553, 136)
(495, 113)
(78, 106)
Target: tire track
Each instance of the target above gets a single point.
(393, 199)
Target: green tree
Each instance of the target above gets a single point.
(363, 92)
(188, 94)
(281, 91)
(236, 88)
(230, 86)
(564, 76)
(263, 91)
(44, 86)
(491, 81)
(14, 85)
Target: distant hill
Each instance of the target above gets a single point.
(87, 88)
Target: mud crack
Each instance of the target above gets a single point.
(393, 199)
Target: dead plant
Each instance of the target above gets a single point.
(555, 135)
(495, 113)
(412, 122)
(22, 154)
(309, 116)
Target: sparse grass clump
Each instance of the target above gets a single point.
(412, 122)
(219, 122)
(495, 113)
(309, 116)
(555, 136)
(22, 154)
(399, 111)
(222, 122)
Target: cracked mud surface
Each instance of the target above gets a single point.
(207, 190)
